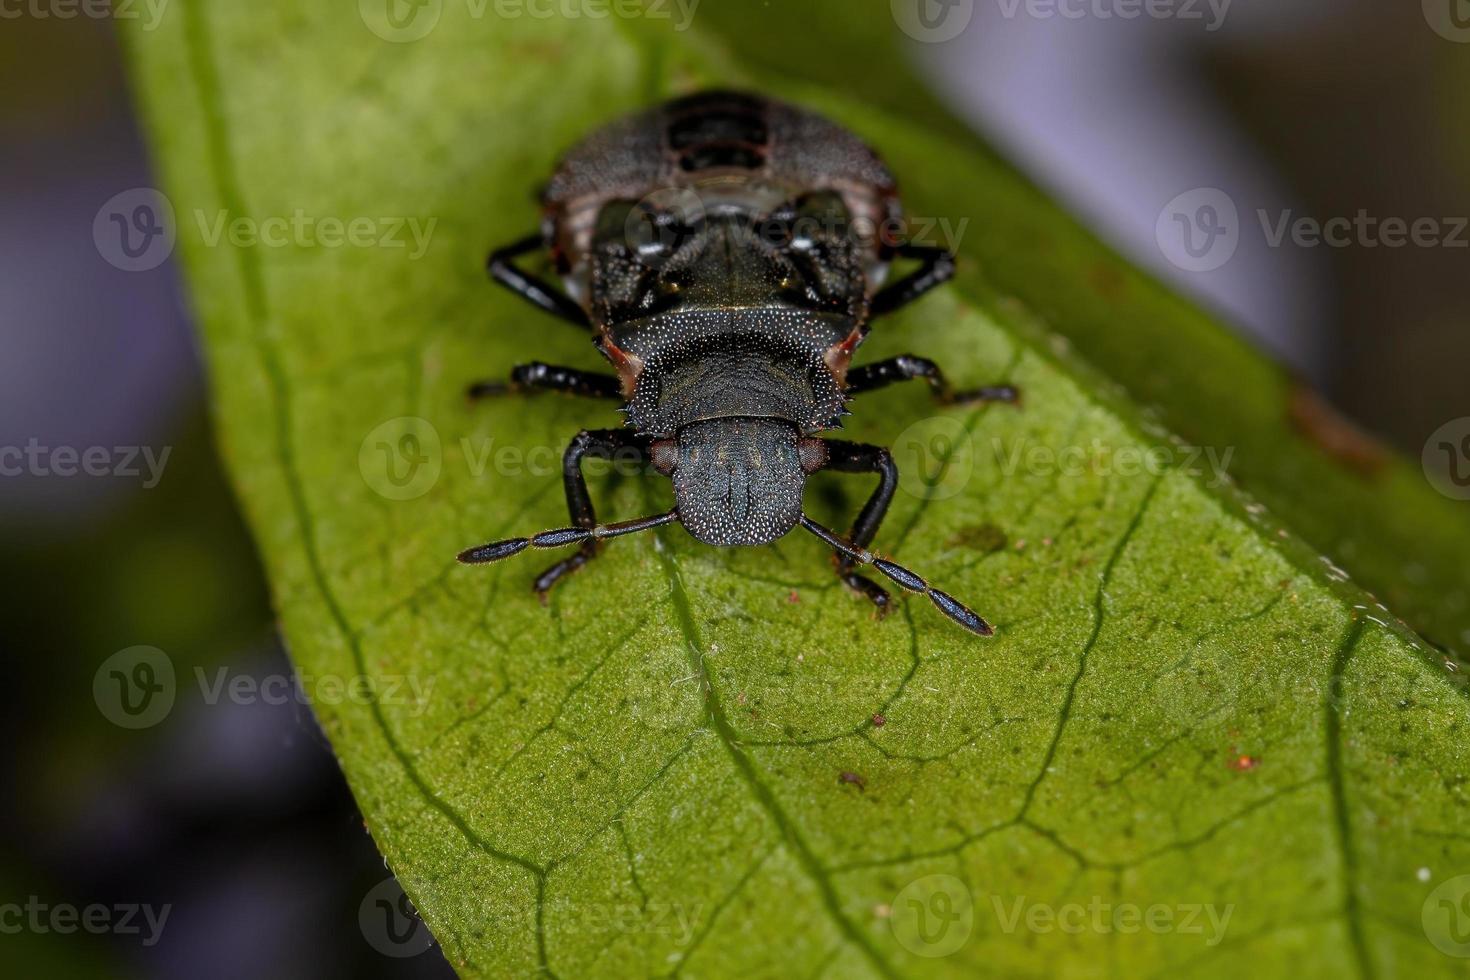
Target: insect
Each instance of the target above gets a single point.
(721, 251)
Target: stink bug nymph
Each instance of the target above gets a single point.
(713, 248)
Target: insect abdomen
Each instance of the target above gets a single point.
(734, 150)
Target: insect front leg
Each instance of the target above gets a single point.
(936, 267)
(599, 444)
(857, 457)
(550, 377)
(534, 290)
(907, 367)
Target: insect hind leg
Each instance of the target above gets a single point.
(550, 377)
(908, 367)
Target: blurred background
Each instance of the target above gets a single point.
(231, 818)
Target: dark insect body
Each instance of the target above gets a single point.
(725, 253)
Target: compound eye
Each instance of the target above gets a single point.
(778, 227)
(654, 235)
(650, 234)
(819, 217)
(653, 228)
(613, 222)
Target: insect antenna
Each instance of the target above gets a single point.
(560, 537)
(948, 604)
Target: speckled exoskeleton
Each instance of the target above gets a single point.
(728, 255)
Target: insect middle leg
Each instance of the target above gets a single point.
(599, 444)
(550, 377)
(857, 457)
(907, 367)
(534, 290)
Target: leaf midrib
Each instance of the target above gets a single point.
(694, 644)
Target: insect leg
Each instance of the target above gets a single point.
(550, 377)
(857, 457)
(907, 367)
(599, 444)
(936, 267)
(532, 289)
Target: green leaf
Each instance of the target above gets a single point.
(716, 762)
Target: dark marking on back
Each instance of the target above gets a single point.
(718, 129)
(710, 155)
(717, 125)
